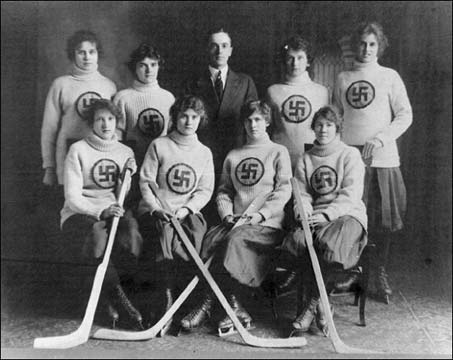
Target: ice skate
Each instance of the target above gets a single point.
(226, 326)
(169, 303)
(382, 286)
(123, 303)
(198, 315)
(305, 319)
(321, 320)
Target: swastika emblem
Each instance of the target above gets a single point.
(84, 101)
(249, 171)
(296, 109)
(360, 94)
(181, 178)
(324, 180)
(105, 172)
(151, 122)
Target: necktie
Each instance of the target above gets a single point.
(219, 86)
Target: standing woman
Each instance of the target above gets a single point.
(376, 111)
(295, 99)
(67, 101)
(91, 183)
(330, 177)
(145, 105)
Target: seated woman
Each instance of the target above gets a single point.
(91, 181)
(183, 169)
(243, 255)
(331, 178)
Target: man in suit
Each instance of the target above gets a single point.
(224, 92)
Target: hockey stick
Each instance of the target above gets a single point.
(82, 334)
(110, 334)
(338, 344)
(246, 336)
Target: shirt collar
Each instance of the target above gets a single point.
(214, 71)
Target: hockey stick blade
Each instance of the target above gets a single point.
(82, 333)
(245, 335)
(339, 346)
(110, 334)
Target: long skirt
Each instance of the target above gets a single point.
(385, 198)
(90, 237)
(339, 242)
(163, 243)
(246, 252)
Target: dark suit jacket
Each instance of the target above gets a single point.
(225, 130)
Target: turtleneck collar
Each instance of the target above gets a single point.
(183, 140)
(101, 144)
(361, 66)
(255, 142)
(327, 149)
(139, 86)
(302, 79)
(81, 74)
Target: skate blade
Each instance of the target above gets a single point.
(165, 329)
(230, 330)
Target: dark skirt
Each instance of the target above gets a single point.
(385, 197)
(339, 242)
(90, 236)
(247, 251)
(163, 243)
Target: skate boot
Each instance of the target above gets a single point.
(198, 315)
(321, 319)
(126, 305)
(287, 285)
(169, 303)
(303, 322)
(226, 326)
(109, 310)
(382, 285)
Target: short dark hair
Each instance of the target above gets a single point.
(258, 106)
(365, 28)
(102, 104)
(216, 31)
(143, 51)
(79, 37)
(188, 102)
(329, 113)
(295, 42)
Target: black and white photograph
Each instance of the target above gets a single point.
(226, 179)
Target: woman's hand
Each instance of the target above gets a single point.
(162, 214)
(112, 210)
(50, 177)
(369, 148)
(317, 219)
(182, 213)
(254, 218)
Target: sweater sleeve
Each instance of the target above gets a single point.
(225, 191)
(300, 174)
(351, 191)
(401, 110)
(336, 95)
(122, 124)
(148, 174)
(281, 194)
(73, 187)
(203, 193)
(50, 126)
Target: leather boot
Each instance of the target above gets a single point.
(199, 314)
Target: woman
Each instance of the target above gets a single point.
(377, 111)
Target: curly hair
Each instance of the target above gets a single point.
(366, 28)
(296, 43)
(188, 102)
(259, 106)
(141, 52)
(99, 104)
(329, 113)
(79, 37)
